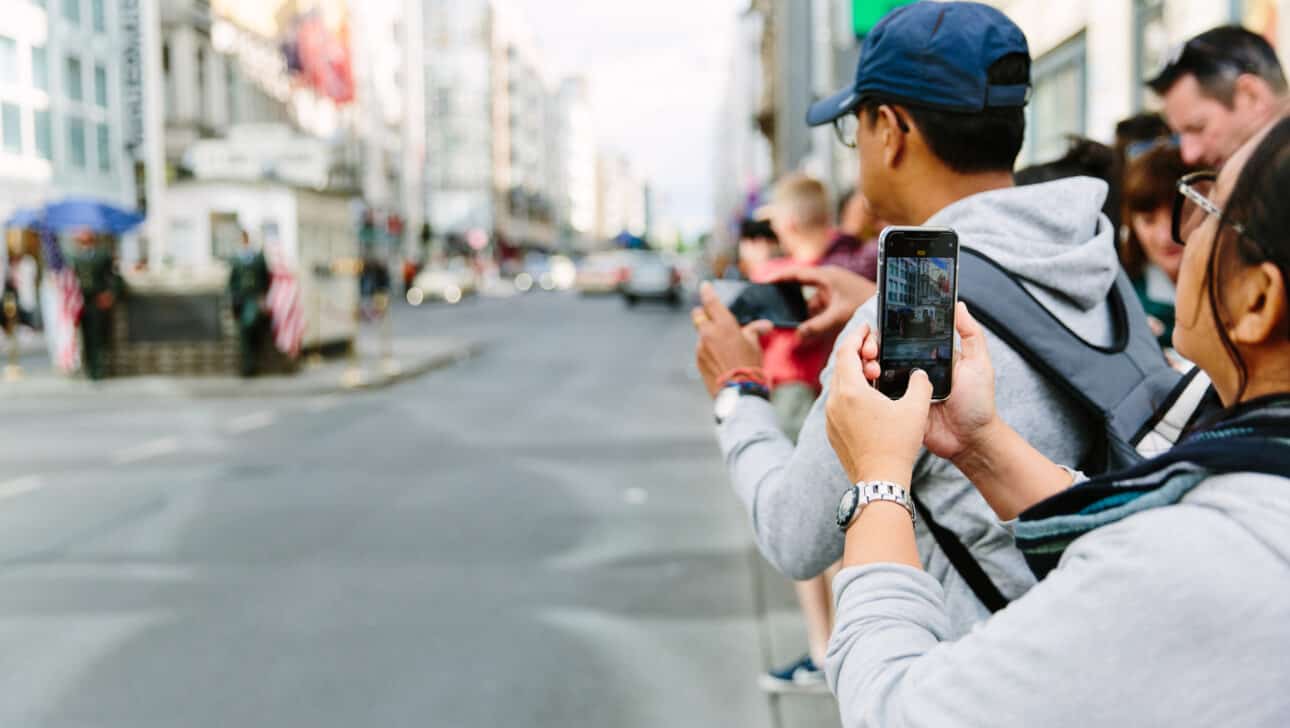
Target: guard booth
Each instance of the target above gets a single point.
(312, 233)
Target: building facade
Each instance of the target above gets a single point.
(62, 110)
(1091, 57)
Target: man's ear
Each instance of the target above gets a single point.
(1259, 311)
(893, 138)
(1252, 92)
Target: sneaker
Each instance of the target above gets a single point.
(803, 676)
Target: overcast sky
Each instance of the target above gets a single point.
(656, 69)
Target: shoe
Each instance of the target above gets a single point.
(803, 676)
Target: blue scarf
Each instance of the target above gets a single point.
(1252, 438)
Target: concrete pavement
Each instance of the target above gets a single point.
(540, 536)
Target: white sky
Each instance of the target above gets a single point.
(656, 71)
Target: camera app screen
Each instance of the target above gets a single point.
(918, 331)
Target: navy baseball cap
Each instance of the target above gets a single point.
(934, 55)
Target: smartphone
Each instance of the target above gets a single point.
(917, 288)
(782, 304)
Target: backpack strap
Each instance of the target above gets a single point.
(962, 560)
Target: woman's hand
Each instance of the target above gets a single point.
(961, 422)
(876, 438)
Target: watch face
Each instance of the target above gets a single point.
(847, 507)
(726, 402)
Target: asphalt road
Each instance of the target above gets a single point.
(542, 536)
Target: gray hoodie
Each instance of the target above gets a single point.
(1052, 236)
(1177, 616)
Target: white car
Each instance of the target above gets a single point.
(601, 273)
(649, 276)
(449, 284)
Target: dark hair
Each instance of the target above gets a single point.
(843, 200)
(1256, 204)
(1217, 58)
(752, 229)
(981, 141)
(1084, 157)
(1142, 127)
(1150, 183)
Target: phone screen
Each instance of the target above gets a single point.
(782, 304)
(918, 289)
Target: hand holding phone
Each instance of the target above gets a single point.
(782, 304)
(917, 291)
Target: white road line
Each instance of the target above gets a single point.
(322, 405)
(151, 449)
(18, 486)
(253, 421)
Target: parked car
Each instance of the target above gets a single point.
(449, 283)
(649, 276)
(600, 273)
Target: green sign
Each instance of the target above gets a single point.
(866, 13)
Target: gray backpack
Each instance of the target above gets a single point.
(1137, 404)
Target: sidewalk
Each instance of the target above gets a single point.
(783, 639)
(413, 357)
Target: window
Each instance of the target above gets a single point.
(1150, 45)
(44, 135)
(98, 15)
(72, 11)
(76, 142)
(40, 68)
(100, 85)
(104, 146)
(8, 60)
(11, 118)
(72, 83)
(1057, 108)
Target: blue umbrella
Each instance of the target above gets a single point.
(75, 214)
(23, 218)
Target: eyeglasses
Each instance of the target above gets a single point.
(847, 125)
(1193, 204)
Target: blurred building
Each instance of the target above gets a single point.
(578, 155)
(63, 118)
(1091, 56)
(787, 54)
(621, 198)
(507, 149)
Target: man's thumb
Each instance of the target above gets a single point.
(920, 387)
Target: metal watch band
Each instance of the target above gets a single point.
(882, 490)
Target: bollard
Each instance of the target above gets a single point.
(388, 365)
(353, 376)
(12, 371)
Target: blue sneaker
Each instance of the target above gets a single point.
(803, 676)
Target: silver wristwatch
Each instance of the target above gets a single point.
(865, 492)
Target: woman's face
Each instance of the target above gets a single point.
(1196, 334)
(1153, 232)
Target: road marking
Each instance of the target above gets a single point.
(635, 496)
(253, 421)
(151, 449)
(18, 486)
(323, 405)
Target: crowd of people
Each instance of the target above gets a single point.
(1010, 556)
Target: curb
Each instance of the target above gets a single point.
(197, 388)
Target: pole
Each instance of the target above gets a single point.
(154, 132)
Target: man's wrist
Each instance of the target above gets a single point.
(978, 455)
(886, 470)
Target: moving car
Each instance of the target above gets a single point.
(449, 284)
(600, 273)
(647, 275)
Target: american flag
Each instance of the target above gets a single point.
(68, 304)
(283, 301)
